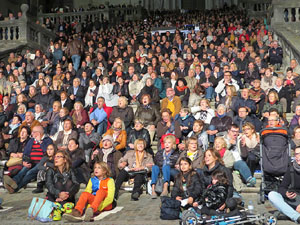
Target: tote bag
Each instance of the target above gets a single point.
(40, 209)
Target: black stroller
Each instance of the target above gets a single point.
(275, 155)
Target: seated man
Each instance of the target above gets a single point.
(99, 117)
(245, 100)
(171, 102)
(34, 150)
(287, 200)
(243, 117)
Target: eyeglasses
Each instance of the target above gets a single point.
(272, 120)
(234, 131)
(59, 157)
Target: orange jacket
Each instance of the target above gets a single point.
(122, 138)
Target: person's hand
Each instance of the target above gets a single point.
(298, 209)
(78, 126)
(14, 155)
(169, 124)
(266, 114)
(190, 200)
(91, 94)
(27, 165)
(58, 200)
(181, 128)
(123, 164)
(217, 98)
(290, 195)
(222, 207)
(94, 154)
(178, 198)
(131, 146)
(119, 93)
(177, 166)
(72, 97)
(243, 141)
(44, 123)
(195, 204)
(64, 195)
(297, 93)
(152, 127)
(94, 122)
(232, 141)
(149, 165)
(6, 124)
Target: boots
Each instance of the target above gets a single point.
(40, 188)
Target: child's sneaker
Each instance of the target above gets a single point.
(251, 182)
(89, 213)
(56, 215)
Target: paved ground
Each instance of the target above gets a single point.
(143, 212)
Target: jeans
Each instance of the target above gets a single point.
(282, 205)
(211, 138)
(76, 61)
(209, 92)
(101, 127)
(243, 168)
(25, 176)
(167, 172)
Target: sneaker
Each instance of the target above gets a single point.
(9, 188)
(89, 213)
(154, 195)
(9, 181)
(251, 182)
(74, 216)
(164, 193)
(135, 196)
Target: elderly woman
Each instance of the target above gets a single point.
(273, 102)
(193, 152)
(123, 111)
(168, 125)
(249, 146)
(91, 94)
(59, 122)
(79, 115)
(137, 161)
(227, 156)
(39, 113)
(135, 86)
(117, 131)
(61, 181)
(121, 88)
(200, 134)
(139, 132)
(105, 90)
(65, 135)
(286, 199)
(295, 142)
(78, 163)
(219, 124)
(165, 161)
(203, 111)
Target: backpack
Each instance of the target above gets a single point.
(40, 209)
(170, 208)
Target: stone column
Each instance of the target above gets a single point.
(296, 14)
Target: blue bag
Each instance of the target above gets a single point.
(40, 209)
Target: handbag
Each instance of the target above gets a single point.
(159, 186)
(14, 162)
(170, 208)
(40, 209)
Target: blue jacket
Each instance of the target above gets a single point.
(248, 103)
(160, 86)
(187, 122)
(99, 115)
(45, 142)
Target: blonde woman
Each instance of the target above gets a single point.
(227, 156)
(79, 115)
(134, 161)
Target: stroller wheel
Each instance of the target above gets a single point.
(189, 218)
(270, 219)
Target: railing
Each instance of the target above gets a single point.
(26, 31)
(286, 13)
(256, 8)
(111, 14)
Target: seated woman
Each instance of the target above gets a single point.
(213, 162)
(134, 161)
(193, 152)
(61, 181)
(79, 115)
(117, 131)
(98, 196)
(272, 102)
(16, 148)
(79, 166)
(229, 100)
(65, 135)
(286, 200)
(135, 86)
(139, 132)
(187, 183)
(203, 111)
(149, 114)
(295, 142)
(182, 91)
(105, 90)
(249, 146)
(186, 121)
(58, 123)
(200, 134)
(149, 89)
(219, 124)
(165, 160)
(226, 155)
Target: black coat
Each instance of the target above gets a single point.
(194, 190)
(80, 94)
(126, 114)
(142, 134)
(221, 124)
(46, 101)
(124, 90)
(159, 158)
(150, 115)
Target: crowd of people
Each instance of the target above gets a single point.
(67, 114)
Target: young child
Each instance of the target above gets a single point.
(186, 121)
(98, 195)
(214, 197)
(46, 162)
(187, 187)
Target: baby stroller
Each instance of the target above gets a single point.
(192, 217)
(275, 155)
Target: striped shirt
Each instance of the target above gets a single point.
(36, 153)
